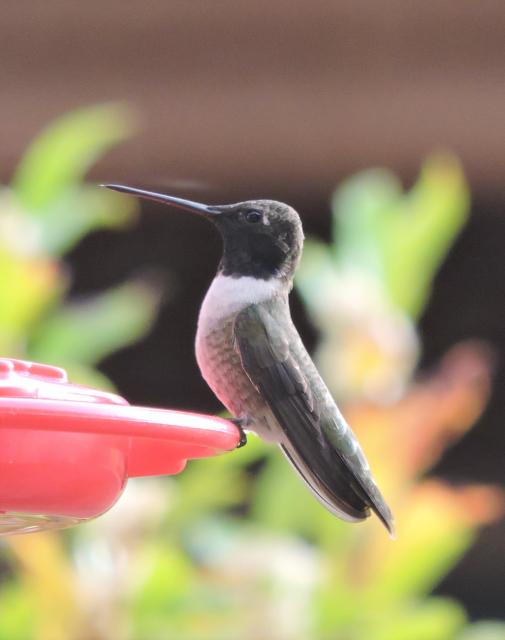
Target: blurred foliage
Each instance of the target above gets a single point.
(44, 213)
(365, 290)
(236, 547)
(46, 210)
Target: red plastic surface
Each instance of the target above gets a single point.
(66, 451)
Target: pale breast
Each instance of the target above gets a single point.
(216, 355)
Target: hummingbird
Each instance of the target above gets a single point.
(252, 357)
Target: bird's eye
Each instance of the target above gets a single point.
(253, 216)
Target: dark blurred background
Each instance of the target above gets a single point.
(279, 100)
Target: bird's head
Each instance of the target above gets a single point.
(261, 238)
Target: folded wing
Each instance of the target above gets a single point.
(317, 440)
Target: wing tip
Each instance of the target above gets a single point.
(384, 514)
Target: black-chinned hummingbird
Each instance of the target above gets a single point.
(252, 357)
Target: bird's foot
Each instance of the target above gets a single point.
(241, 423)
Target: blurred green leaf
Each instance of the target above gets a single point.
(158, 598)
(395, 237)
(88, 331)
(422, 232)
(204, 490)
(419, 562)
(436, 618)
(175, 600)
(48, 184)
(18, 612)
(79, 211)
(63, 153)
(364, 206)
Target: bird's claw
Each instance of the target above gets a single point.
(240, 424)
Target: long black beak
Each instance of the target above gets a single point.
(180, 203)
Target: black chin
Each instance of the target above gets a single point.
(255, 255)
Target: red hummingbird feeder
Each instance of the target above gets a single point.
(66, 451)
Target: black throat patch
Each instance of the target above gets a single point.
(259, 256)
